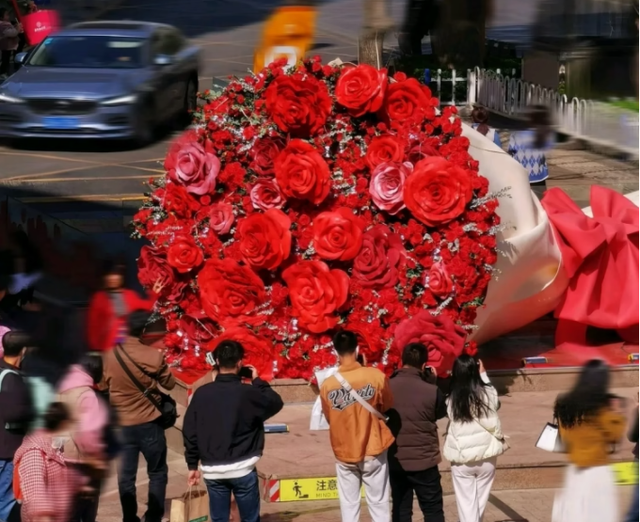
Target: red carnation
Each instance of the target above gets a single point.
(316, 293)
(361, 89)
(337, 235)
(229, 290)
(437, 191)
(264, 240)
(184, 254)
(376, 264)
(302, 173)
(443, 338)
(299, 105)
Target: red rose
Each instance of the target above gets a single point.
(438, 281)
(229, 290)
(361, 89)
(266, 194)
(406, 101)
(263, 154)
(437, 191)
(178, 201)
(258, 352)
(193, 165)
(387, 184)
(221, 218)
(155, 274)
(443, 338)
(302, 173)
(299, 105)
(316, 293)
(184, 255)
(337, 235)
(376, 264)
(198, 329)
(264, 240)
(385, 149)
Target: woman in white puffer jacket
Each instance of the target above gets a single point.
(474, 436)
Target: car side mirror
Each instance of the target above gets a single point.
(162, 60)
(20, 58)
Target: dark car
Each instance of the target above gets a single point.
(118, 80)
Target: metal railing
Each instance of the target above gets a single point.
(595, 122)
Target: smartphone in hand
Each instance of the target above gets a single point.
(246, 373)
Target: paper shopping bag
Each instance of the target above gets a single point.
(193, 506)
(37, 26)
(318, 421)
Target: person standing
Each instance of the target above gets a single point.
(9, 40)
(530, 147)
(85, 451)
(140, 419)
(632, 514)
(474, 437)
(415, 454)
(16, 412)
(223, 433)
(590, 421)
(109, 308)
(353, 402)
(46, 484)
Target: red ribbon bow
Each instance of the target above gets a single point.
(600, 256)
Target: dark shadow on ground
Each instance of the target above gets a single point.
(194, 18)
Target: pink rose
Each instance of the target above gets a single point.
(387, 184)
(438, 281)
(190, 164)
(266, 194)
(221, 218)
(443, 338)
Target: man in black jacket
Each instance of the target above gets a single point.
(16, 412)
(415, 455)
(224, 432)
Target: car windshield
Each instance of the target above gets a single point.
(89, 52)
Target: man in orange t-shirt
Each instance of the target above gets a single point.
(359, 437)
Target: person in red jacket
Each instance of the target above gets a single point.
(109, 309)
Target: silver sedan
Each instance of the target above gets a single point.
(116, 80)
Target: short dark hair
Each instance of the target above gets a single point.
(479, 114)
(113, 266)
(137, 322)
(92, 364)
(57, 413)
(415, 355)
(345, 342)
(228, 354)
(14, 341)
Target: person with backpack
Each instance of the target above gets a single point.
(133, 373)
(16, 412)
(86, 448)
(354, 400)
(44, 481)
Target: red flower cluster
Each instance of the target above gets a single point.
(319, 197)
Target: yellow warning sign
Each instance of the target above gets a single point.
(626, 473)
(324, 488)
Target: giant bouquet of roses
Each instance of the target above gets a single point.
(312, 198)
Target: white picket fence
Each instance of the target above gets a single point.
(594, 122)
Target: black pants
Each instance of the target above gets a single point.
(428, 489)
(148, 439)
(5, 64)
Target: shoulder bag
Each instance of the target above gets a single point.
(354, 394)
(166, 406)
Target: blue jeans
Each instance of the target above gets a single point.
(6, 489)
(148, 439)
(246, 492)
(632, 515)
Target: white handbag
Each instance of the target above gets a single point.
(549, 439)
(318, 421)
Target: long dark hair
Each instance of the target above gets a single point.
(467, 395)
(540, 120)
(480, 115)
(589, 395)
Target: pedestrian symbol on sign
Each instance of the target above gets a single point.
(298, 491)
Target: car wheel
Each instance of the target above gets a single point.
(145, 125)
